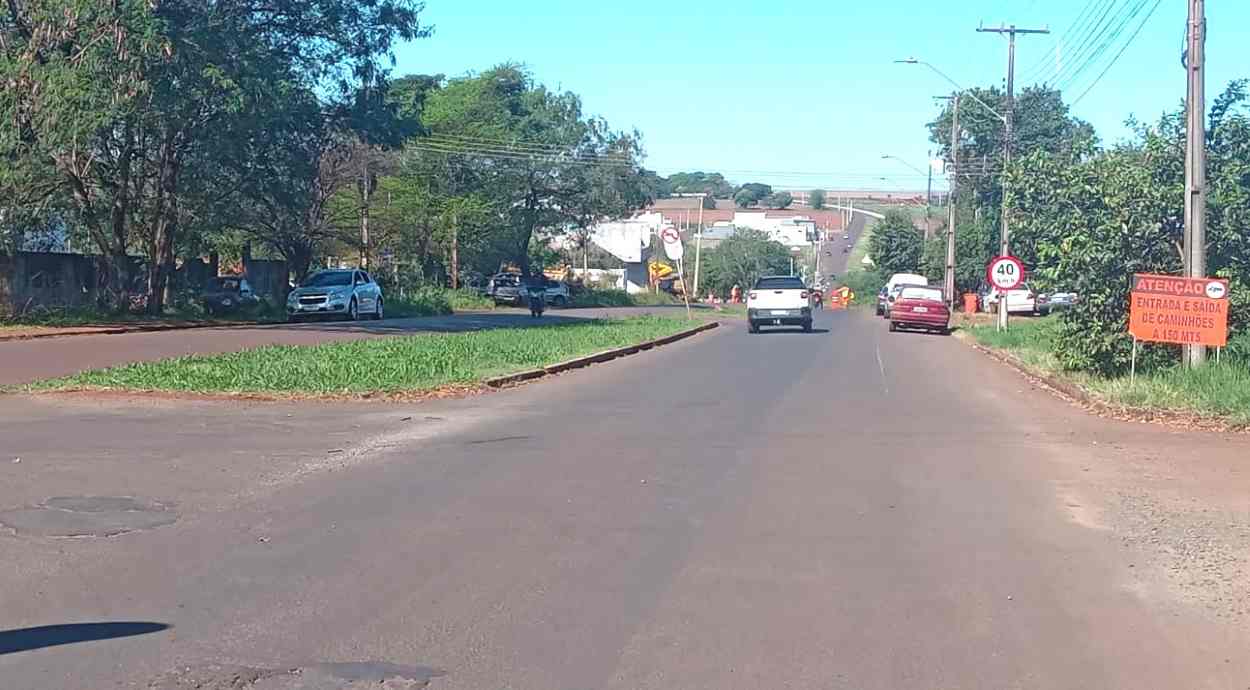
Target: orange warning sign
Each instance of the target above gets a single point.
(1171, 309)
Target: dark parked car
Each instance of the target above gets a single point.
(228, 293)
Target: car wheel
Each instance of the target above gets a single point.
(377, 310)
(559, 301)
(353, 311)
(807, 327)
(752, 327)
(893, 326)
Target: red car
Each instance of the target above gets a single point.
(922, 308)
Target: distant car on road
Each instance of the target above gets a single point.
(921, 308)
(779, 301)
(350, 293)
(846, 236)
(228, 293)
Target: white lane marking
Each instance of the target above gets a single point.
(881, 366)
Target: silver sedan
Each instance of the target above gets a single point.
(349, 293)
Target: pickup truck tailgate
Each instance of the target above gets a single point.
(778, 299)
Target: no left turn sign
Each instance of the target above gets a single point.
(672, 243)
(1005, 272)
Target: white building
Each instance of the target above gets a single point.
(794, 231)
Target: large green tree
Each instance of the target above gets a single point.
(896, 245)
(1087, 225)
(117, 106)
(740, 260)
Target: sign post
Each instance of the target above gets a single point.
(674, 250)
(1005, 273)
(1182, 311)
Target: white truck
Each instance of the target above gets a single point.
(779, 301)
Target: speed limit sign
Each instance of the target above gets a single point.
(1005, 272)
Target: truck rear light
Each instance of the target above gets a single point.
(803, 295)
(753, 295)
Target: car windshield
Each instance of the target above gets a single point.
(224, 284)
(931, 294)
(330, 279)
(507, 279)
(780, 283)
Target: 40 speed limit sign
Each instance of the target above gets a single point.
(1005, 272)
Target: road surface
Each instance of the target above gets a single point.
(846, 509)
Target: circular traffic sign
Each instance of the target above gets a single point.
(1005, 272)
(670, 235)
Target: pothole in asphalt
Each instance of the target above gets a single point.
(88, 516)
(351, 675)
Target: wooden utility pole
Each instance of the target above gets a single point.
(455, 253)
(950, 203)
(1196, 159)
(698, 248)
(1009, 119)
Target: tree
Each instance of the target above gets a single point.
(132, 100)
(714, 184)
(896, 245)
(779, 200)
(1087, 225)
(1042, 123)
(751, 194)
(741, 259)
(816, 199)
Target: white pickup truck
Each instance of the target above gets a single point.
(779, 301)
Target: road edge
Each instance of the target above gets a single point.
(597, 358)
(1073, 393)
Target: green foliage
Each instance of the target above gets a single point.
(816, 199)
(896, 245)
(1088, 225)
(751, 194)
(386, 365)
(974, 247)
(740, 260)
(779, 200)
(714, 184)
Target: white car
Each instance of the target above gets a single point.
(345, 293)
(779, 301)
(1021, 300)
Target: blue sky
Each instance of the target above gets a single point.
(803, 93)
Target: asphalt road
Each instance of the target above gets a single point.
(846, 509)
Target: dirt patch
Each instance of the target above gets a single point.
(351, 675)
(448, 392)
(1202, 551)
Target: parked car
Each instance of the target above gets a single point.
(509, 288)
(1021, 300)
(228, 293)
(1057, 301)
(350, 293)
(779, 301)
(881, 297)
(892, 295)
(920, 307)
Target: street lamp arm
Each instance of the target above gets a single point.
(962, 91)
(900, 160)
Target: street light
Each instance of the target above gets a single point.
(913, 61)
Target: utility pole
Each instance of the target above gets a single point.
(928, 200)
(950, 202)
(698, 247)
(1005, 235)
(1196, 159)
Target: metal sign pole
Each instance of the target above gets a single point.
(685, 289)
(1132, 376)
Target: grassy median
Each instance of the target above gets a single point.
(1215, 390)
(388, 365)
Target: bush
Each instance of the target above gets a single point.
(896, 245)
(425, 301)
(865, 285)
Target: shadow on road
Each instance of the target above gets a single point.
(26, 639)
(791, 331)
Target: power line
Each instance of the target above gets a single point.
(1045, 64)
(1123, 48)
(1106, 44)
(516, 144)
(1108, 29)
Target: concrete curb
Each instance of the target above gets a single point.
(121, 330)
(598, 357)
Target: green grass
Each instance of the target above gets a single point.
(864, 281)
(620, 298)
(388, 365)
(1214, 390)
(72, 317)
